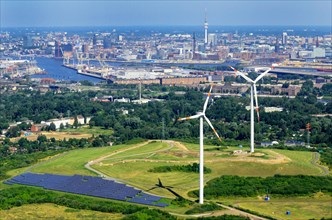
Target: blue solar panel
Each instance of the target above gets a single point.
(87, 185)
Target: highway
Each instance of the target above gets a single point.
(298, 72)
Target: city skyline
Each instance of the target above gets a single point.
(146, 13)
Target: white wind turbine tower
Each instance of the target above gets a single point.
(201, 115)
(253, 92)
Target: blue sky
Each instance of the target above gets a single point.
(27, 13)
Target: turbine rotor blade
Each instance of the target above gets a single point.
(241, 74)
(214, 130)
(189, 117)
(232, 68)
(244, 77)
(262, 75)
(235, 70)
(256, 101)
(207, 100)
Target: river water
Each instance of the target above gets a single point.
(55, 70)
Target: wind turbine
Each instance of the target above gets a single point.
(201, 115)
(253, 93)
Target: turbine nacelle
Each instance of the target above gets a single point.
(253, 83)
(202, 114)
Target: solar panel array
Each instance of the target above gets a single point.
(87, 185)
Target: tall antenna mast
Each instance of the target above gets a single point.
(206, 26)
(140, 90)
(163, 129)
(308, 126)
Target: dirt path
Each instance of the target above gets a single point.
(179, 145)
(239, 212)
(277, 158)
(88, 165)
(314, 161)
(229, 210)
(245, 159)
(117, 152)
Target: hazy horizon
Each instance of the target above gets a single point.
(164, 13)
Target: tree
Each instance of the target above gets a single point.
(75, 125)
(4, 125)
(42, 139)
(52, 127)
(13, 132)
(62, 127)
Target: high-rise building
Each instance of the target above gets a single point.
(284, 38)
(317, 42)
(212, 40)
(276, 47)
(206, 26)
(27, 41)
(94, 40)
(107, 43)
(58, 52)
(194, 42)
(229, 37)
(85, 48)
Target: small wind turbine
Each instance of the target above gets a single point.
(253, 93)
(201, 115)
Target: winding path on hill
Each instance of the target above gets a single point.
(314, 161)
(98, 160)
(230, 210)
(278, 158)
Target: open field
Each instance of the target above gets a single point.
(300, 207)
(87, 130)
(52, 211)
(130, 164)
(55, 134)
(73, 162)
(81, 132)
(133, 165)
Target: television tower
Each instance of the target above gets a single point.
(206, 26)
(194, 46)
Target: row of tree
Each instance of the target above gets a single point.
(18, 196)
(254, 186)
(190, 168)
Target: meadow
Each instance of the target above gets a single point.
(53, 211)
(130, 164)
(133, 165)
(78, 133)
(314, 207)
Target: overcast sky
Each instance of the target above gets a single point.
(103, 13)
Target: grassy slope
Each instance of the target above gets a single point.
(137, 162)
(52, 211)
(73, 162)
(81, 132)
(300, 207)
(135, 171)
(86, 130)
